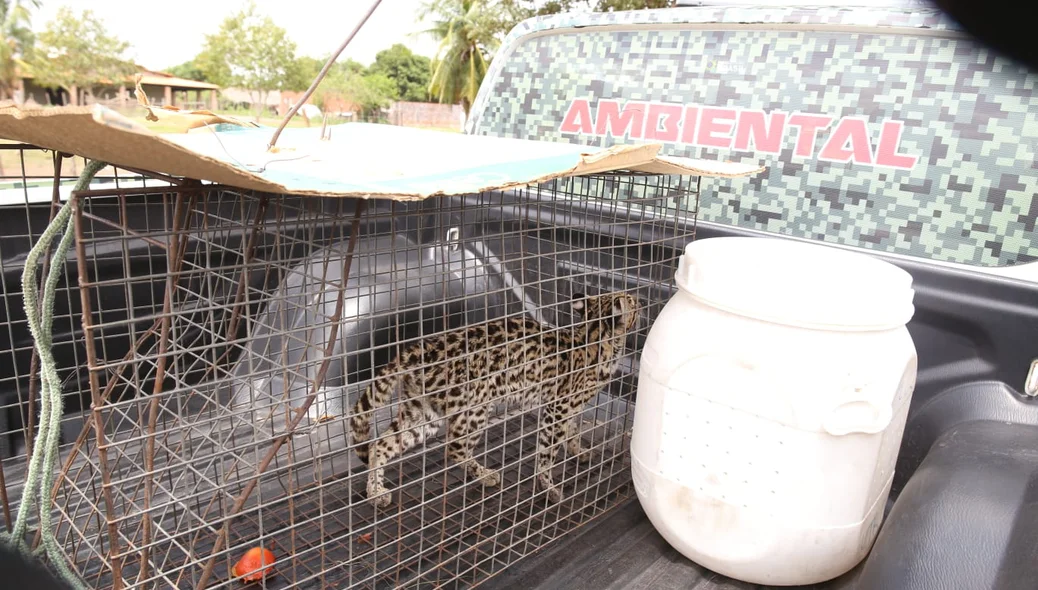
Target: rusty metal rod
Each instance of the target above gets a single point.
(234, 466)
(232, 325)
(160, 376)
(320, 76)
(144, 190)
(112, 382)
(156, 176)
(95, 394)
(135, 234)
(300, 411)
(243, 281)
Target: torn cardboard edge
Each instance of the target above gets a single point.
(187, 120)
(360, 160)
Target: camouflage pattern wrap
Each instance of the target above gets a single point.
(881, 128)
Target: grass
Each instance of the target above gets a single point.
(37, 163)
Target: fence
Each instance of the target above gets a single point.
(427, 114)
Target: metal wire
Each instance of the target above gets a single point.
(320, 76)
(216, 314)
(33, 184)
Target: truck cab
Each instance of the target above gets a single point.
(885, 130)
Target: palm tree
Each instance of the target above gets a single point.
(467, 30)
(16, 41)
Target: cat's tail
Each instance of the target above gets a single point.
(375, 395)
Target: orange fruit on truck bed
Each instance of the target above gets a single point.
(254, 565)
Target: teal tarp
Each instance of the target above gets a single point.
(355, 159)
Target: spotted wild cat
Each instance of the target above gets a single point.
(457, 376)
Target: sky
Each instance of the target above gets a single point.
(161, 37)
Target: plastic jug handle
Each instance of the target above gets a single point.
(857, 416)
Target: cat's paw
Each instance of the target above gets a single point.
(554, 494)
(381, 501)
(490, 478)
(575, 449)
(582, 455)
(379, 496)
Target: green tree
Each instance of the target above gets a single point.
(328, 90)
(77, 52)
(468, 34)
(369, 91)
(528, 8)
(188, 70)
(618, 5)
(409, 71)
(334, 84)
(17, 42)
(376, 91)
(373, 92)
(213, 63)
(350, 66)
(249, 51)
(303, 72)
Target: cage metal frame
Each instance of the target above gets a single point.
(106, 554)
(34, 181)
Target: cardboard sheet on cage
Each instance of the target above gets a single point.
(353, 160)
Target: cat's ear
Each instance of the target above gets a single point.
(626, 312)
(616, 318)
(620, 305)
(579, 302)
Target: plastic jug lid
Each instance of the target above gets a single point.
(797, 283)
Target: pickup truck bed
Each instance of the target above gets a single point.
(967, 519)
(964, 505)
(620, 551)
(964, 499)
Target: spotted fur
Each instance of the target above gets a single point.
(457, 376)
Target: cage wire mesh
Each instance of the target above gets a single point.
(228, 336)
(33, 183)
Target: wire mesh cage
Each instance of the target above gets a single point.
(33, 183)
(238, 345)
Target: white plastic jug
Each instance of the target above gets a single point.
(772, 397)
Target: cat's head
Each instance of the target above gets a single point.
(621, 310)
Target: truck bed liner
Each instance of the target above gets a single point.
(622, 551)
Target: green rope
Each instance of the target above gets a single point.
(39, 479)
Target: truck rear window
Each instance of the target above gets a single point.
(910, 142)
